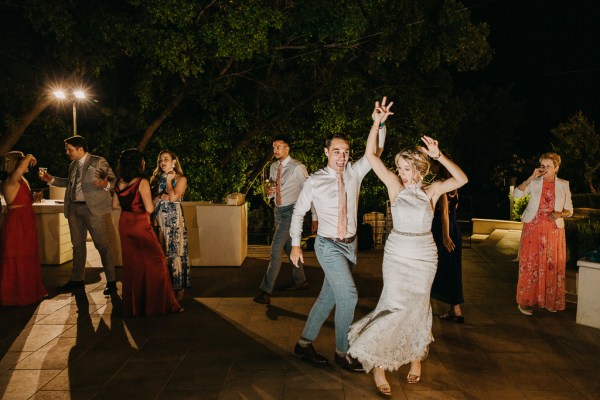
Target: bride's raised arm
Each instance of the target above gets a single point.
(380, 114)
(458, 178)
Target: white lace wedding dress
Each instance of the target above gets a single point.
(398, 331)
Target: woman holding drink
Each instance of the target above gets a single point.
(168, 186)
(20, 266)
(543, 254)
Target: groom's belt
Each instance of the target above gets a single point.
(338, 240)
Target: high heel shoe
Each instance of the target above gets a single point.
(414, 377)
(384, 388)
(459, 319)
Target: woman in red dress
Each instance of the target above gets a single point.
(147, 288)
(543, 254)
(20, 266)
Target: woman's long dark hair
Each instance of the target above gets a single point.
(131, 165)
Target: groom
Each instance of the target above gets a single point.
(335, 246)
(87, 208)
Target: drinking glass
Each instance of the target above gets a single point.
(269, 186)
(38, 196)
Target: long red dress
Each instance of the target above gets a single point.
(543, 258)
(147, 288)
(20, 265)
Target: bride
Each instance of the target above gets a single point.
(398, 331)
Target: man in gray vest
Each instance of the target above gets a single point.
(87, 208)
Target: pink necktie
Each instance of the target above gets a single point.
(342, 208)
(278, 187)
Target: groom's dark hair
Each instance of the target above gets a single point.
(336, 136)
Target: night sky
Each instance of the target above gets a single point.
(549, 52)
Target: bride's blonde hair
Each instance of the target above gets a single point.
(418, 161)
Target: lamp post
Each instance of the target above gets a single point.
(77, 94)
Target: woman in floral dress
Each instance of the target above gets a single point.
(543, 254)
(168, 186)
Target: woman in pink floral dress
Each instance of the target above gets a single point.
(543, 254)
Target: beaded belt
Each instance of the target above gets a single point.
(411, 233)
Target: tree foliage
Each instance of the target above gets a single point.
(578, 144)
(215, 80)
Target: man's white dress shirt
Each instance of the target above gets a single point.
(293, 176)
(321, 190)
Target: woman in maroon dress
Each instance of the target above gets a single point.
(20, 266)
(147, 288)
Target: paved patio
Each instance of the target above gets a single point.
(76, 346)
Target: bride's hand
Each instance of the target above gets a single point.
(432, 149)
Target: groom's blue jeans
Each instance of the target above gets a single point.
(337, 261)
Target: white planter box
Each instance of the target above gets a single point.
(588, 293)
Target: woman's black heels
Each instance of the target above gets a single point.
(459, 319)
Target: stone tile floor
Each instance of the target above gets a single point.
(76, 346)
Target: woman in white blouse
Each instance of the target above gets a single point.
(543, 255)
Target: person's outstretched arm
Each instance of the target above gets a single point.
(458, 178)
(372, 152)
(26, 162)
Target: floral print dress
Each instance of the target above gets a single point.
(543, 258)
(169, 215)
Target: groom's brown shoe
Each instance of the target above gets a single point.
(308, 353)
(263, 298)
(348, 362)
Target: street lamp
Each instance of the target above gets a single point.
(77, 94)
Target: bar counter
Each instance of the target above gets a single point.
(217, 233)
(54, 236)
